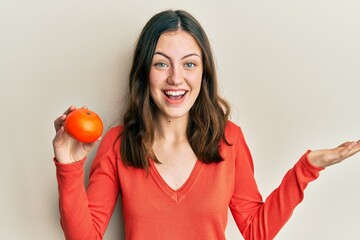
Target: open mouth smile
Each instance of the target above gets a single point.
(175, 95)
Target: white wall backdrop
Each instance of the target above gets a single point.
(291, 70)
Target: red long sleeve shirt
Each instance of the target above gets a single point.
(198, 210)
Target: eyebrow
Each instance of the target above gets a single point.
(187, 55)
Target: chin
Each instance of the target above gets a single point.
(177, 115)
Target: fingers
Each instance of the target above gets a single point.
(328, 157)
(348, 149)
(345, 144)
(59, 137)
(70, 109)
(58, 123)
(353, 148)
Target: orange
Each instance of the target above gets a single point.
(83, 125)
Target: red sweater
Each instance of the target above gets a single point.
(198, 210)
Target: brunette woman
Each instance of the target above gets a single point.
(177, 161)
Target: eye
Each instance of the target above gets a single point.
(161, 65)
(190, 65)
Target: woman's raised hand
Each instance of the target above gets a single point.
(67, 149)
(327, 157)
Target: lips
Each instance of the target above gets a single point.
(175, 96)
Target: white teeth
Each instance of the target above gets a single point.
(175, 93)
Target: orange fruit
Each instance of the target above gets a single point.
(83, 125)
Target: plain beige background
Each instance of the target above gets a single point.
(291, 70)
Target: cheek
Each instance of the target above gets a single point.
(154, 84)
(152, 78)
(196, 80)
(156, 78)
(153, 92)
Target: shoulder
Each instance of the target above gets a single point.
(109, 143)
(232, 132)
(231, 126)
(114, 130)
(112, 134)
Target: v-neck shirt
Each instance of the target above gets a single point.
(197, 210)
(178, 194)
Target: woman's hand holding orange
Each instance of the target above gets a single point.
(66, 148)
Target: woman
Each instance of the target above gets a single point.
(177, 161)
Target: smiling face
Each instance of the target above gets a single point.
(175, 75)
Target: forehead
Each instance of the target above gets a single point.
(178, 42)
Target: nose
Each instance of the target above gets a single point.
(175, 77)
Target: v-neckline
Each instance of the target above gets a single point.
(179, 194)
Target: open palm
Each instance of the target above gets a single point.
(327, 157)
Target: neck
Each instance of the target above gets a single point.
(171, 130)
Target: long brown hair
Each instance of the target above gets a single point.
(208, 115)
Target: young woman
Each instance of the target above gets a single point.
(177, 161)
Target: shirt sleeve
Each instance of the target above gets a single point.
(85, 213)
(258, 220)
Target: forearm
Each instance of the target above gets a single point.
(259, 220)
(76, 218)
(280, 204)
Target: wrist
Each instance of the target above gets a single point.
(68, 164)
(316, 159)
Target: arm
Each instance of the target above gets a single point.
(263, 220)
(85, 213)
